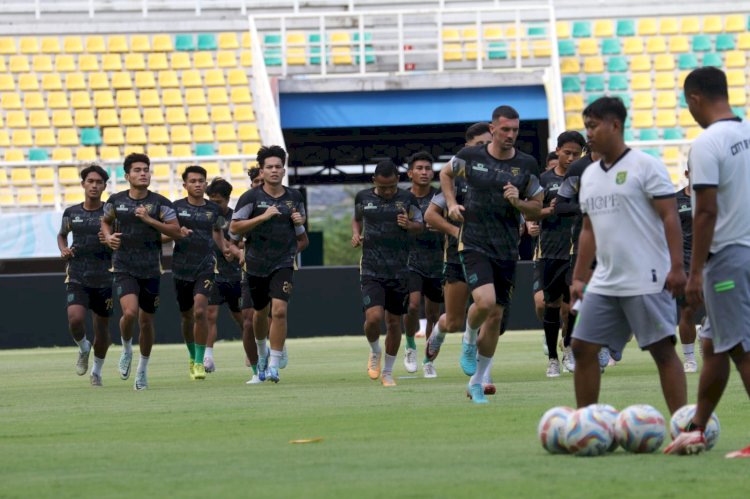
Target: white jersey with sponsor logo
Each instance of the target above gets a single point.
(632, 257)
(720, 157)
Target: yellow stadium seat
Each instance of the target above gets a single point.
(110, 152)
(7, 82)
(95, 44)
(51, 82)
(573, 121)
(140, 43)
(65, 63)
(153, 116)
(647, 26)
(452, 52)
(685, 118)
(640, 63)
(217, 95)
(172, 97)
(18, 64)
(117, 44)
(246, 41)
(215, 78)
(180, 60)
(679, 44)
(451, 35)
(240, 95)
(62, 154)
(237, 77)
(593, 65)
(736, 78)
(75, 81)
(670, 155)
(203, 60)
(38, 119)
(107, 118)
(228, 149)
(226, 59)
(144, 79)
(588, 46)
(220, 114)
(666, 100)
(84, 118)
(16, 119)
(68, 175)
(563, 29)
(735, 59)
(73, 196)
(246, 132)
(158, 135)
(643, 119)
(237, 170)
(471, 50)
(643, 100)
(181, 151)
(44, 175)
(664, 80)
(72, 44)
(47, 196)
(665, 118)
(712, 24)
(157, 151)
(67, 137)
(734, 23)
(8, 45)
(197, 114)
(28, 82)
(640, 81)
(228, 41)
(668, 26)
(4, 138)
(195, 97)
(50, 45)
(44, 137)
(690, 25)
(80, 100)
(98, 81)
(57, 100)
(135, 135)
(16, 155)
(161, 43)
(135, 62)
(573, 102)
(180, 134)
(11, 100)
(168, 79)
(122, 80)
(192, 78)
(6, 198)
(157, 62)
(33, 100)
(29, 45)
(126, 98)
(42, 64)
(162, 171)
(664, 62)
(62, 118)
(113, 136)
(246, 58)
(604, 28)
(244, 113)
(737, 96)
(176, 116)
(88, 62)
(149, 98)
(27, 197)
(226, 132)
(343, 55)
(130, 117)
(743, 41)
(212, 169)
(656, 45)
(86, 154)
(111, 62)
(203, 133)
(633, 45)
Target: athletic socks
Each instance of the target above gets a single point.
(127, 345)
(569, 333)
(374, 346)
(483, 365)
(410, 343)
(470, 335)
(551, 329)
(689, 350)
(98, 364)
(254, 367)
(439, 332)
(389, 360)
(191, 350)
(209, 352)
(262, 348)
(83, 345)
(142, 364)
(275, 358)
(200, 351)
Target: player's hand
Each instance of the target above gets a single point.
(297, 218)
(532, 228)
(429, 227)
(228, 255)
(456, 213)
(185, 232)
(576, 290)
(142, 213)
(510, 192)
(113, 241)
(553, 203)
(356, 240)
(694, 290)
(272, 212)
(675, 282)
(67, 253)
(402, 219)
(102, 239)
(241, 259)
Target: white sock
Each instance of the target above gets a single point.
(689, 350)
(142, 364)
(127, 345)
(275, 358)
(83, 345)
(470, 335)
(262, 348)
(389, 360)
(483, 365)
(439, 332)
(209, 352)
(374, 346)
(489, 367)
(98, 364)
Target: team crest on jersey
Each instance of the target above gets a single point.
(289, 204)
(184, 213)
(370, 206)
(480, 167)
(515, 171)
(77, 219)
(149, 207)
(121, 207)
(209, 215)
(399, 205)
(263, 204)
(621, 177)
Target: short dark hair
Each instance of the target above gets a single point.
(134, 158)
(253, 173)
(571, 136)
(420, 156)
(607, 107)
(476, 130)
(270, 152)
(219, 187)
(551, 156)
(506, 112)
(386, 168)
(93, 168)
(709, 82)
(194, 169)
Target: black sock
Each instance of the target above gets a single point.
(569, 332)
(551, 328)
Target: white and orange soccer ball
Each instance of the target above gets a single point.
(551, 429)
(587, 433)
(682, 417)
(640, 429)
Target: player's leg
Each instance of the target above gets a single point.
(200, 331)
(148, 303)
(453, 320)
(486, 345)
(687, 337)
(245, 305)
(373, 301)
(432, 316)
(411, 321)
(77, 327)
(184, 293)
(280, 290)
(396, 305)
(480, 277)
(553, 282)
(671, 373)
(259, 293)
(212, 316)
(741, 358)
(127, 291)
(101, 308)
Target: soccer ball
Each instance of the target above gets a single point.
(551, 429)
(609, 415)
(586, 434)
(640, 428)
(682, 417)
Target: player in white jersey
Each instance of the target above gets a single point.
(631, 225)
(720, 265)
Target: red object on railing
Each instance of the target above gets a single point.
(409, 66)
(408, 48)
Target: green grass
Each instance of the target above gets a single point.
(220, 438)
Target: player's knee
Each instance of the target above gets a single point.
(373, 316)
(130, 314)
(76, 321)
(199, 313)
(279, 312)
(584, 351)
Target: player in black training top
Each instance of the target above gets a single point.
(502, 187)
(88, 281)
(425, 264)
(194, 264)
(384, 217)
(270, 217)
(553, 247)
(133, 223)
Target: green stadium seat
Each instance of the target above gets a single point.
(738, 111)
(595, 83)
(117, 172)
(611, 46)
(592, 97)
(366, 35)
(683, 102)
(272, 49)
(649, 134)
(582, 29)
(537, 31)
(617, 64)
(618, 82)
(687, 61)
(628, 135)
(571, 84)
(313, 41)
(184, 42)
(497, 50)
(369, 56)
(673, 134)
(625, 98)
(713, 59)
(207, 41)
(91, 137)
(701, 43)
(653, 152)
(38, 155)
(725, 42)
(625, 27)
(566, 47)
(204, 150)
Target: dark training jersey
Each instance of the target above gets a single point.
(385, 249)
(271, 245)
(228, 271)
(450, 246)
(140, 250)
(555, 231)
(426, 255)
(685, 210)
(568, 204)
(490, 221)
(194, 255)
(91, 259)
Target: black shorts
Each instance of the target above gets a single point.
(226, 292)
(554, 280)
(536, 283)
(430, 287)
(481, 269)
(98, 300)
(278, 284)
(453, 272)
(146, 289)
(391, 294)
(186, 290)
(246, 300)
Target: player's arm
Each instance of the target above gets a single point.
(242, 226)
(357, 222)
(411, 220)
(704, 224)
(218, 236)
(531, 208)
(667, 210)
(167, 223)
(111, 238)
(302, 240)
(586, 254)
(454, 167)
(66, 253)
(434, 218)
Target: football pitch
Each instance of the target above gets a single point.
(221, 438)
